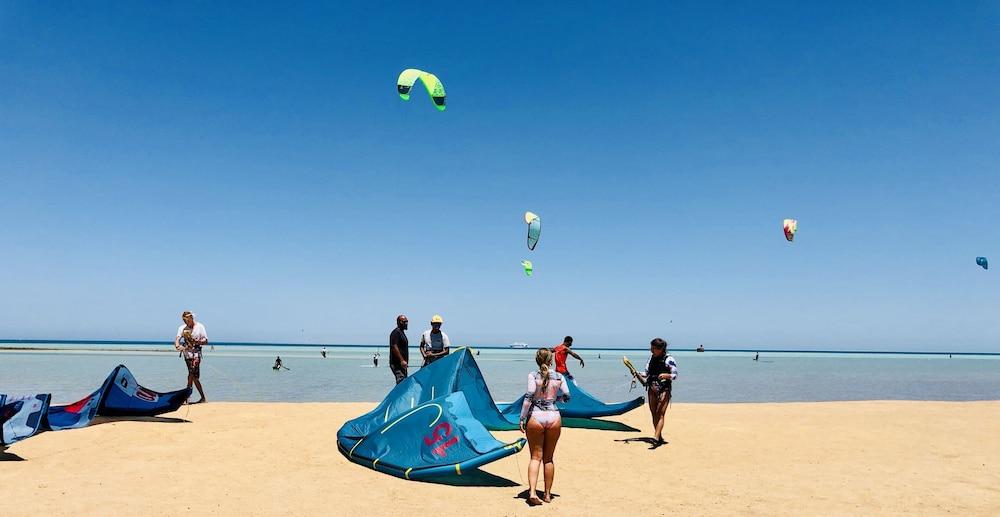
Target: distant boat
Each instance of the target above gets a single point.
(518, 345)
(701, 348)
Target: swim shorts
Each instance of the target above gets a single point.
(194, 365)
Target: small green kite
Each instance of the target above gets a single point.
(528, 268)
(434, 87)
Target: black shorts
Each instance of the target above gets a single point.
(398, 371)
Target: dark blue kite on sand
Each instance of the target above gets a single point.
(119, 395)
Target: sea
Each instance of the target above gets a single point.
(243, 372)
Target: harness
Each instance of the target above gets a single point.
(656, 367)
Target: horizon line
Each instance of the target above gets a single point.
(485, 347)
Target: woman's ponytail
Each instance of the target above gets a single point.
(544, 358)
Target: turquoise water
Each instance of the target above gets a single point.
(243, 373)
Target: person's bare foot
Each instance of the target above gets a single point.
(534, 500)
(547, 498)
(200, 401)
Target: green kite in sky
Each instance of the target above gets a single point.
(434, 87)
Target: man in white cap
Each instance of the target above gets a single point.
(434, 343)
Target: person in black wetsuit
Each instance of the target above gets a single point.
(399, 349)
(277, 363)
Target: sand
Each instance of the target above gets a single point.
(859, 458)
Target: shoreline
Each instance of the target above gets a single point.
(5, 346)
(229, 458)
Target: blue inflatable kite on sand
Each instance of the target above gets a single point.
(439, 438)
(435, 424)
(119, 395)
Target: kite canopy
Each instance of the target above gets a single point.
(432, 425)
(534, 229)
(982, 262)
(528, 267)
(437, 439)
(22, 417)
(791, 226)
(433, 85)
(119, 395)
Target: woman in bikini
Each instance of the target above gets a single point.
(661, 371)
(541, 422)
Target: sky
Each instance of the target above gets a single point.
(254, 164)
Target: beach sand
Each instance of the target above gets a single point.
(860, 458)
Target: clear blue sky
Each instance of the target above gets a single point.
(255, 164)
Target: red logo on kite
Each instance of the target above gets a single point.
(144, 394)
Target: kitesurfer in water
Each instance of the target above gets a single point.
(191, 336)
(399, 349)
(434, 343)
(756, 357)
(323, 352)
(542, 423)
(561, 351)
(277, 363)
(661, 371)
(375, 359)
